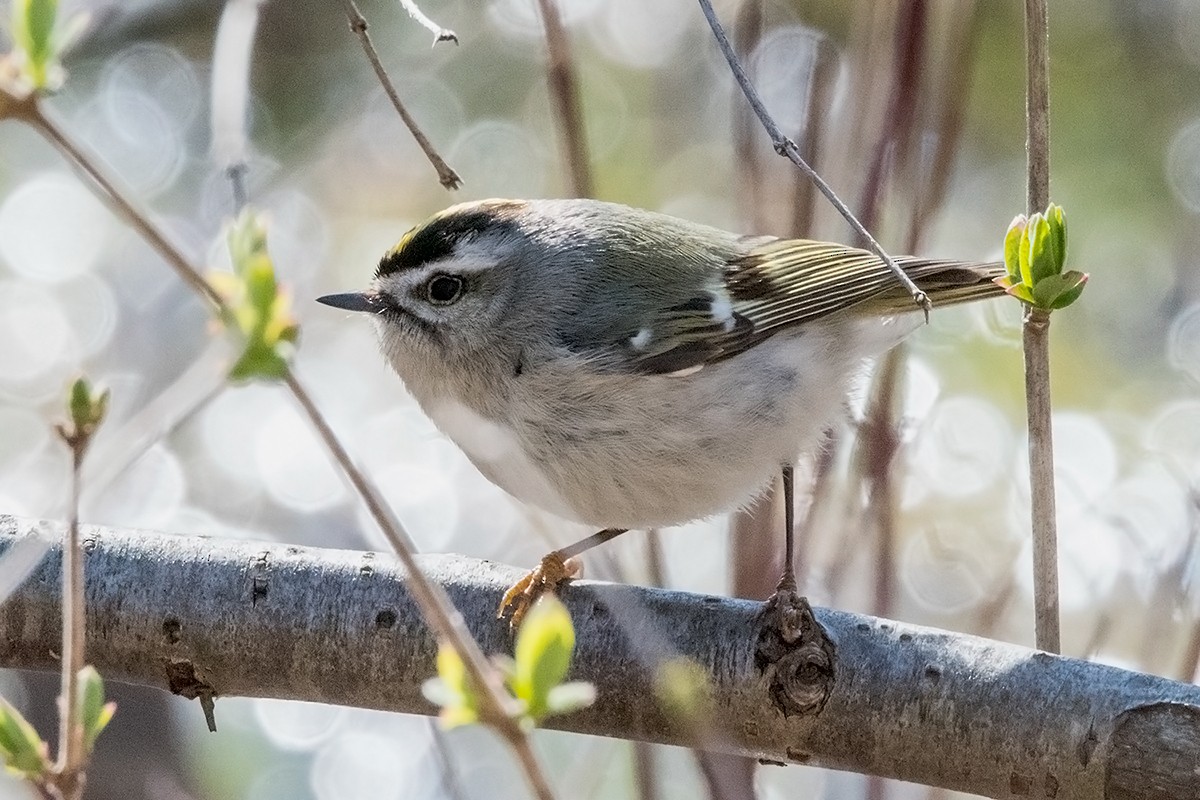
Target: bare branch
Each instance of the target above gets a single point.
(342, 627)
(358, 24)
(565, 90)
(787, 148)
(71, 756)
(1036, 341)
(1037, 103)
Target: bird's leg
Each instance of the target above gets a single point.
(796, 656)
(556, 567)
(786, 607)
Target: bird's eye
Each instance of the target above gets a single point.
(443, 290)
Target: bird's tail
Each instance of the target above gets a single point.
(945, 282)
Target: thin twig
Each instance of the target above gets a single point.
(1036, 341)
(358, 24)
(565, 90)
(435, 605)
(123, 204)
(71, 756)
(645, 771)
(1037, 103)
(787, 148)
(440, 34)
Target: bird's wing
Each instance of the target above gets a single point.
(782, 283)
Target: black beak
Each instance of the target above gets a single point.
(352, 301)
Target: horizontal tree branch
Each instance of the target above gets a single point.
(212, 617)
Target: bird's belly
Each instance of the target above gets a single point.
(637, 451)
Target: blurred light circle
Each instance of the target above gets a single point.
(520, 18)
(782, 68)
(35, 331)
(1151, 508)
(1183, 342)
(1085, 462)
(92, 308)
(230, 423)
(641, 34)
(281, 781)
(1090, 559)
(52, 228)
(1174, 435)
(487, 514)
(293, 725)
(948, 573)
(159, 72)
(299, 238)
(23, 435)
(998, 322)
(295, 468)
(425, 499)
(405, 434)
(963, 446)
(381, 135)
(922, 389)
(148, 494)
(502, 158)
(605, 111)
(142, 141)
(360, 765)
(1183, 164)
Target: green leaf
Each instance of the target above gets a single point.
(543, 653)
(1022, 293)
(1012, 247)
(1059, 291)
(256, 309)
(94, 713)
(1058, 235)
(36, 46)
(1041, 250)
(87, 405)
(452, 690)
(24, 752)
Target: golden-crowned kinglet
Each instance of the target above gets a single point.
(628, 369)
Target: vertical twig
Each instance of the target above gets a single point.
(1190, 662)
(1036, 340)
(645, 771)
(565, 89)
(747, 33)
(70, 734)
(358, 24)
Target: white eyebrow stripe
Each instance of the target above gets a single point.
(458, 265)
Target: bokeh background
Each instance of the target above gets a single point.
(933, 155)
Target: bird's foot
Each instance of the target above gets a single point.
(794, 653)
(787, 611)
(545, 577)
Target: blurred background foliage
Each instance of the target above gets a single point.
(342, 179)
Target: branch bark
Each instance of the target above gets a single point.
(196, 616)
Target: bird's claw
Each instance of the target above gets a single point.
(545, 577)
